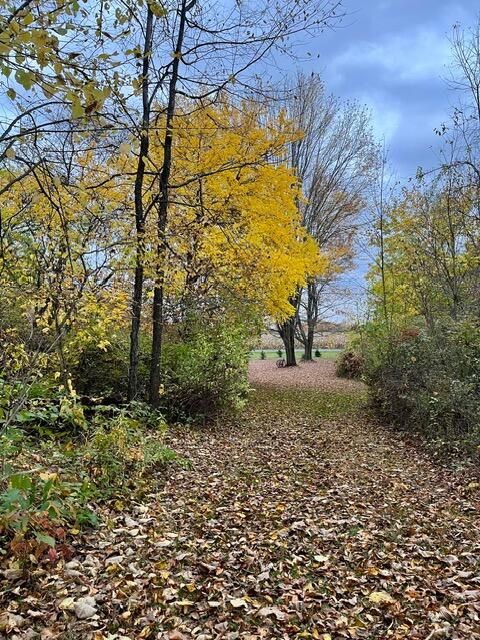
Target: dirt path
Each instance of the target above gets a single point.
(303, 521)
(317, 375)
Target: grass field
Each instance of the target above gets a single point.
(271, 354)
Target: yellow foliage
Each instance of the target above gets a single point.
(234, 225)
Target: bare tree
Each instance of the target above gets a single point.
(335, 161)
(466, 81)
(461, 157)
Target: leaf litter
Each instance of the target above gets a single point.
(304, 519)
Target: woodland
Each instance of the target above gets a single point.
(164, 202)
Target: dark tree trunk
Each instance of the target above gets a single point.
(157, 318)
(164, 179)
(308, 347)
(287, 333)
(136, 309)
(312, 317)
(308, 305)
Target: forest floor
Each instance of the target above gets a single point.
(305, 519)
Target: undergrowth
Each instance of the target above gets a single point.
(55, 479)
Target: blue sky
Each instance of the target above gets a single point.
(394, 56)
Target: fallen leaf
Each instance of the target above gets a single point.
(381, 597)
(67, 604)
(85, 608)
(272, 611)
(238, 602)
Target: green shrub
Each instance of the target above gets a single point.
(349, 365)
(280, 353)
(206, 376)
(318, 353)
(122, 447)
(263, 355)
(35, 502)
(431, 383)
(36, 407)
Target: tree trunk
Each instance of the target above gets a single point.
(309, 308)
(308, 347)
(136, 308)
(164, 179)
(136, 311)
(287, 334)
(157, 316)
(312, 317)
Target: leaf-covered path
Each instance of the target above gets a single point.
(306, 520)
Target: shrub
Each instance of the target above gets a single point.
(37, 408)
(263, 355)
(431, 383)
(349, 365)
(280, 353)
(121, 448)
(318, 353)
(206, 376)
(35, 503)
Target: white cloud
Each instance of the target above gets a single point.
(386, 119)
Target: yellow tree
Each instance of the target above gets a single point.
(235, 231)
(59, 251)
(430, 263)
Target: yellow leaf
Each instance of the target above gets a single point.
(45, 476)
(381, 597)
(124, 148)
(77, 109)
(67, 604)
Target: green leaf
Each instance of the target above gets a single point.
(21, 481)
(46, 539)
(77, 110)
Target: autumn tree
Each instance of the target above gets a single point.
(53, 68)
(59, 249)
(429, 265)
(334, 159)
(97, 88)
(213, 52)
(236, 239)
